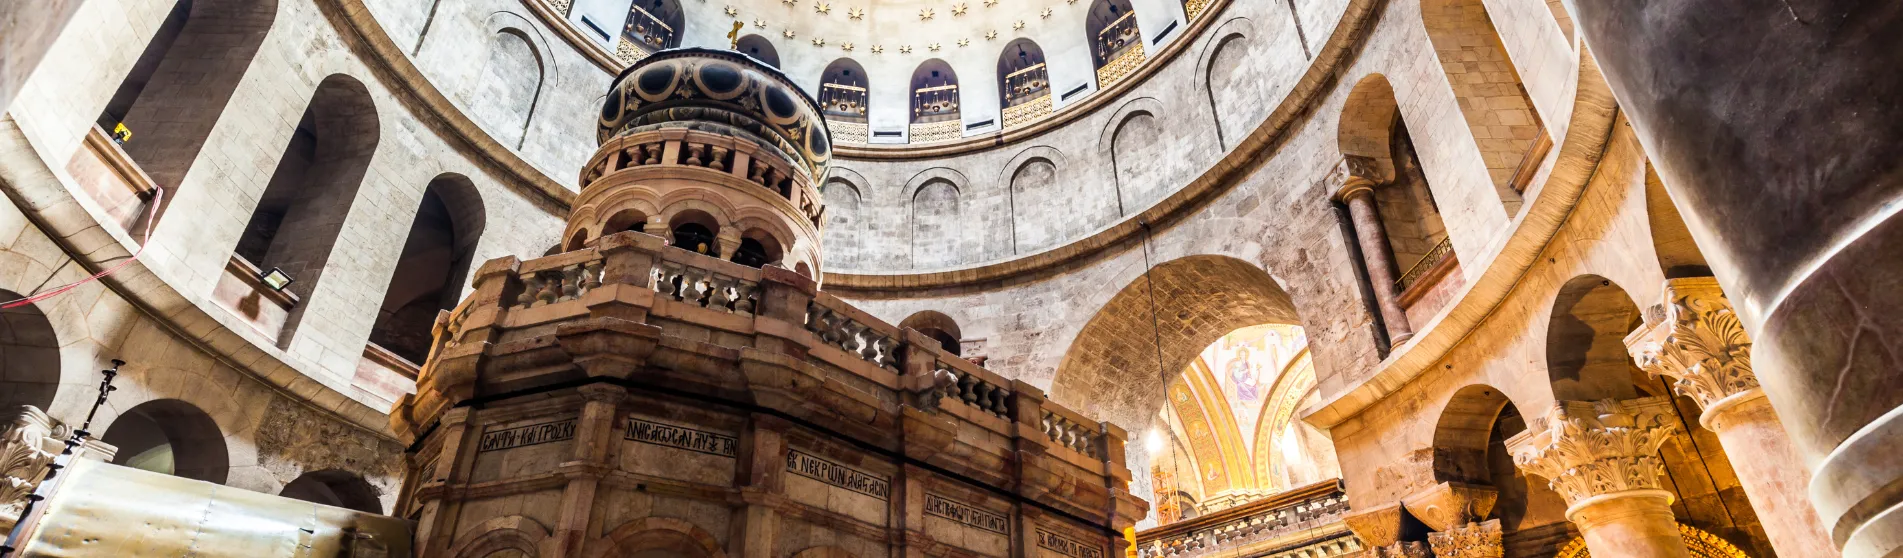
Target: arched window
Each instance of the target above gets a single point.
(1024, 84)
(332, 487)
(759, 48)
(29, 356)
(172, 437)
(1116, 44)
(757, 248)
(935, 103)
(652, 25)
(696, 231)
(843, 97)
(512, 74)
(434, 267)
(935, 225)
(1418, 256)
(299, 216)
(183, 81)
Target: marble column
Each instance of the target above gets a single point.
(1699, 343)
(1357, 192)
(1602, 457)
(1775, 128)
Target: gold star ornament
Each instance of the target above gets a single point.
(905, 49)
(854, 13)
(878, 49)
(933, 47)
(964, 42)
(992, 34)
(822, 8)
(926, 14)
(732, 11)
(1017, 25)
(819, 41)
(788, 34)
(960, 8)
(846, 46)
(1045, 14)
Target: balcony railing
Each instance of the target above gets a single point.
(936, 131)
(1286, 524)
(1120, 65)
(1428, 262)
(1028, 111)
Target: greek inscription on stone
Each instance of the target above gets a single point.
(817, 468)
(681, 437)
(1066, 545)
(967, 514)
(522, 436)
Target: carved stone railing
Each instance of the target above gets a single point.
(1286, 524)
(1069, 430)
(937, 131)
(1122, 65)
(558, 278)
(848, 133)
(831, 320)
(1028, 111)
(706, 283)
(720, 153)
(963, 382)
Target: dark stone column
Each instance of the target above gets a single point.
(1776, 126)
(1376, 255)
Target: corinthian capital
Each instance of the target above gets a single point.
(1473, 540)
(1587, 449)
(1698, 342)
(27, 445)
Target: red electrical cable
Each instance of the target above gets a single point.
(151, 216)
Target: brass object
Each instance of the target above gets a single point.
(110, 511)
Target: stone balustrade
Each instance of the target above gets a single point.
(750, 161)
(1305, 521)
(718, 328)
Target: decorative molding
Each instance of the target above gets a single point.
(1473, 540)
(1401, 550)
(1701, 544)
(1587, 449)
(1122, 66)
(1028, 111)
(1449, 505)
(1698, 342)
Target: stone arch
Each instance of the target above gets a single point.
(1461, 433)
(170, 436)
(1586, 357)
(336, 488)
(689, 225)
(656, 533)
(1144, 169)
(939, 327)
(1367, 123)
(759, 48)
(1678, 253)
(1295, 388)
(1021, 75)
(1219, 70)
(845, 226)
(1373, 131)
(1497, 110)
(433, 268)
(844, 90)
(303, 207)
(510, 84)
(29, 356)
(1034, 181)
(935, 103)
(1469, 447)
(1113, 369)
(183, 82)
(935, 224)
(1110, 29)
(501, 534)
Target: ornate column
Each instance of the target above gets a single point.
(29, 441)
(1602, 457)
(1358, 193)
(1699, 343)
(1473, 540)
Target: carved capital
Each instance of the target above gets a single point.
(28, 444)
(1401, 550)
(1449, 505)
(1587, 449)
(1473, 540)
(1359, 175)
(1697, 341)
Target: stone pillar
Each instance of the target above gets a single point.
(1473, 540)
(1602, 457)
(1775, 128)
(1700, 344)
(588, 463)
(1376, 256)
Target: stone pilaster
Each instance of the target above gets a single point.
(1602, 457)
(1473, 540)
(1695, 339)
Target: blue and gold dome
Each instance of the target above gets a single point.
(718, 89)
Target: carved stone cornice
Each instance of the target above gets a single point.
(1449, 505)
(1698, 342)
(1473, 540)
(1401, 550)
(1588, 449)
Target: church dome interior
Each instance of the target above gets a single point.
(950, 278)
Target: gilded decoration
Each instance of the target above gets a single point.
(1587, 449)
(713, 87)
(628, 53)
(1121, 66)
(1028, 111)
(936, 131)
(1698, 342)
(1473, 540)
(1194, 7)
(1701, 544)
